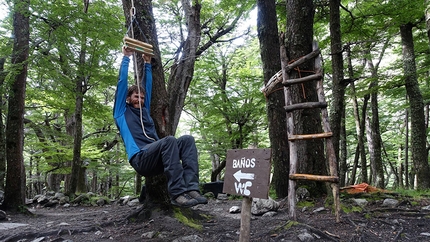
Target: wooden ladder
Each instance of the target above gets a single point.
(282, 76)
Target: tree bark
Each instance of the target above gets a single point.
(2, 130)
(182, 70)
(156, 187)
(338, 86)
(310, 153)
(269, 50)
(418, 131)
(376, 140)
(15, 174)
(359, 126)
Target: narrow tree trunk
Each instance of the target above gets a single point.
(406, 164)
(2, 127)
(78, 174)
(418, 132)
(376, 154)
(359, 124)
(15, 174)
(269, 50)
(338, 85)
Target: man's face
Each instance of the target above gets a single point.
(134, 100)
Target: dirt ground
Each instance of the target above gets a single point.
(214, 222)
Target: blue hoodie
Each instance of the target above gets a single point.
(127, 118)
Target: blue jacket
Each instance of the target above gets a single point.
(127, 118)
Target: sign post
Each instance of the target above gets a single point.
(247, 174)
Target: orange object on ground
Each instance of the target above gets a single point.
(362, 187)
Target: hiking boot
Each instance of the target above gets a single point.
(197, 196)
(184, 200)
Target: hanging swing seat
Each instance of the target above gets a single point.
(138, 46)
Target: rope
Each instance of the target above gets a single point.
(136, 71)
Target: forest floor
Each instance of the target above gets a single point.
(213, 222)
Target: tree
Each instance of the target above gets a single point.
(299, 39)
(338, 84)
(2, 135)
(418, 136)
(227, 104)
(267, 27)
(15, 175)
(168, 99)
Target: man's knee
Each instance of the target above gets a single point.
(168, 140)
(188, 139)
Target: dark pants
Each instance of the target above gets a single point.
(165, 156)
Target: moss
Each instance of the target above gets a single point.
(181, 216)
(303, 204)
(350, 209)
(290, 224)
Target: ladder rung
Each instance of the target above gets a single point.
(309, 136)
(307, 105)
(290, 82)
(333, 179)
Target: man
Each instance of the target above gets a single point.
(148, 154)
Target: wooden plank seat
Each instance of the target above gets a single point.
(138, 46)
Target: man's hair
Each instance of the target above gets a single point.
(135, 88)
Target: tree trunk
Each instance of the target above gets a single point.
(183, 69)
(2, 128)
(338, 85)
(270, 57)
(15, 175)
(310, 153)
(406, 164)
(359, 125)
(156, 187)
(374, 134)
(418, 131)
(78, 173)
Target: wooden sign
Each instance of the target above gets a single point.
(247, 173)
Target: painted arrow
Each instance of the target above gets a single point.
(239, 175)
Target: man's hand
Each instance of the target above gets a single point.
(146, 58)
(126, 51)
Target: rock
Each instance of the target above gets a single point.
(189, 238)
(262, 206)
(317, 210)
(134, 202)
(427, 208)
(270, 214)
(1, 196)
(305, 236)
(2, 215)
(389, 202)
(360, 202)
(81, 198)
(148, 235)
(234, 209)
(302, 194)
(42, 199)
(222, 196)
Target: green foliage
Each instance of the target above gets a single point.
(290, 224)
(305, 204)
(226, 102)
(224, 108)
(414, 194)
(350, 209)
